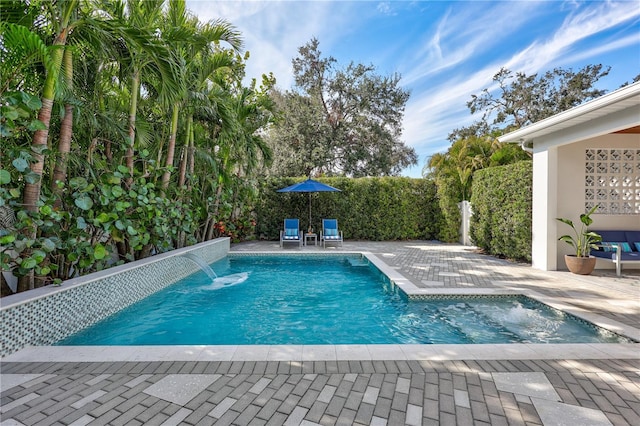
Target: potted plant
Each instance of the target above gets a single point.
(582, 242)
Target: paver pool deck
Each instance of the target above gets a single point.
(518, 384)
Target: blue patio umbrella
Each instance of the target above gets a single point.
(309, 186)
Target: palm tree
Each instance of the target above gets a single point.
(239, 148)
(148, 59)
(66, 126)
(206, 102)
(199, 58)
(62, 15)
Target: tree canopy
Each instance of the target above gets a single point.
(523, 99)
(520, 100)
(339, 121)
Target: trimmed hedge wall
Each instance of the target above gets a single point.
(376, 209)
(448, 200)
(501, 202)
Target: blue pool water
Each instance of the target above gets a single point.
(323, 300)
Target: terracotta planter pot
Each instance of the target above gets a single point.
(580, 265)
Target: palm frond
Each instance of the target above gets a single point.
(20, 49)
(221, 30)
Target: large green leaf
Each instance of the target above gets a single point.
(28, 263)
(6, 239)
(36, 125)
(78, 183)
(117, 191)
(81, 223)
(31, 101)
(32, 178)
(102, 218)
(5, 177)
(85, 203)
(20, 164)
(48, 245)
(99, 252)
(39, 255)
(10, 113)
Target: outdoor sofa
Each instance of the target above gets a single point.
(619, 247)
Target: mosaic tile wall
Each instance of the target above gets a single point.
(45, 320)
(612, 180)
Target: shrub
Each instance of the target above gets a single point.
(377, 209)
(449, 197)
(501, 202)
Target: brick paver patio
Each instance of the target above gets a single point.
(354, 385)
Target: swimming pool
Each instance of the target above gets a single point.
(324, 300)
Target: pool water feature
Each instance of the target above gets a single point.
(325, 300)
(201, 264)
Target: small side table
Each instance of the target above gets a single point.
(310, 236)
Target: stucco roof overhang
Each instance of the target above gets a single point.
(625, 98)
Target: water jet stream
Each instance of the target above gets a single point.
(201, 263)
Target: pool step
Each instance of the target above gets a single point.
(357, 262)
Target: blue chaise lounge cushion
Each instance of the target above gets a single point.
(611, 246)
(610, 239)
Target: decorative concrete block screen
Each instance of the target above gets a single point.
(46, 315)
(612, 180)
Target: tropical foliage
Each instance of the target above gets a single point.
(581, 240)
(453, 173)
(126, 131)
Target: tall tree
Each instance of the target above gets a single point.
(340, 121)
(199, 56)
(148, 61)
(524, 99)
(66, 126)
(61, 18)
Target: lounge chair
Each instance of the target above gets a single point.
(291, 232)
(330, 233)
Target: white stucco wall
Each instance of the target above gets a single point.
(570, 196)
(544, 209)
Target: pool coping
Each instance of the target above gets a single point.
(303, 353)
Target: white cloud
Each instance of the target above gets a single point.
(576, 28)
(467, 32)
(385, 8)
(274, 30)
(632, 40)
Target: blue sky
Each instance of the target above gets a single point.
(445, 51)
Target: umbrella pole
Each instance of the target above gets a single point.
(309, 211)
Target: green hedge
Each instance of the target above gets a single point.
(448, 199)
(376, 209)
(501, 202)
